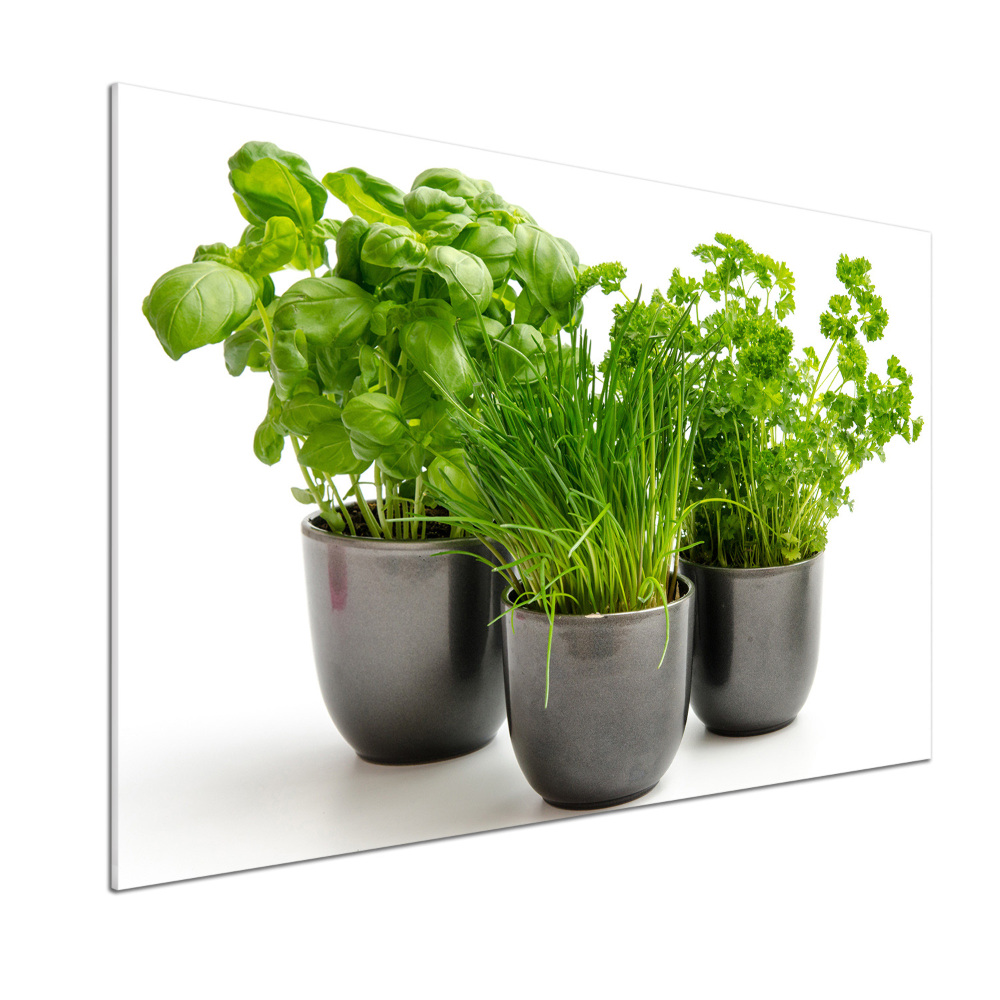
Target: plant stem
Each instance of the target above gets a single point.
(348, 520)
(267, 323)
(313, 487)
(819, 374)
(366, 511)
(379, 507)
(418, 504)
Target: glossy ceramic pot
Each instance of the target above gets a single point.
(614, 718)
(756, 644)
(410, 668)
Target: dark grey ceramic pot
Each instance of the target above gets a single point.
(756, 644)
(614, 721)
(410, 669)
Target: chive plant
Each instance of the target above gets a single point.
(581, 480)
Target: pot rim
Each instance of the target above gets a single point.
(751, 570)
(585, 620)
(421, 545)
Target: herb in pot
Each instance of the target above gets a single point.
(372, 354)
(780, 435)
(579, 483)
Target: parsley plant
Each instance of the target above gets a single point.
(779, 434)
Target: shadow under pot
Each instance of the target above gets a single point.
(756, 644)
(614, 718)
(410, 668)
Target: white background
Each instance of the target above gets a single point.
(870, 883)
(226, 756)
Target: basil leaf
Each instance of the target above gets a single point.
(492, 244)
(437, 429)
(374, 418)
(401, 287)
(431, 309)
(289, 364)
(349, 239)
(452, 182)
(337, 369)
(331, 312)
(218, 252)
(369, 363)
(269, 181)
(437, 228)
(328, 449)
(417, 394)
(269, 440)
(377, 321)
(489, 203)
(470, 285)
(527, 309)
(308, 255)
(471, 331)
(197, 304)
(570, 250)
(392, 246)
(520, 353)
(545, 267)
(245, 347)
(424, 201)
(325, 229)
(403, 460)
(304, 412)
(436, 352)
(272, 251)
(497, 309)
(366, 196)
(448, 479)
(385, 194)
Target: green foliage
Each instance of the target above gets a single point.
(370, 359)
(582, 481)
(330, 311)
(544, 266)
(609, 276)
(198, 304)
(636, 321)
(780, 434)
(268, 182)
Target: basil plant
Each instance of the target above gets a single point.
(371, 352)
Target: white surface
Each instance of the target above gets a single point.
(299, 792)
(874, 884)
(226, 758)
